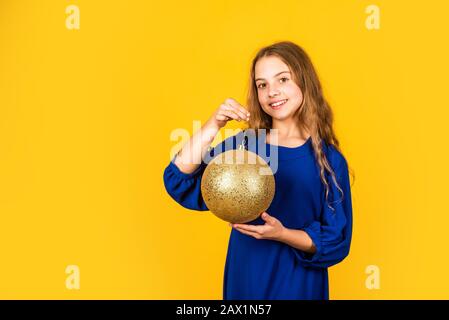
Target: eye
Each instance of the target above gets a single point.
(284, 78)
(261, 85)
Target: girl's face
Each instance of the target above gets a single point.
(278, 94)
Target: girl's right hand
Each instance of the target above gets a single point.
(229, 110)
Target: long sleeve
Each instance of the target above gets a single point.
(332, 233)
(185, 188)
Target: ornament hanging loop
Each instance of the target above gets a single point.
(244, 144)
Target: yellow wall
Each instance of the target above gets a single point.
(86, 116)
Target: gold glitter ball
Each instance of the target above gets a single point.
(237, 186)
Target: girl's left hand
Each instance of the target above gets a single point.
(272, 229)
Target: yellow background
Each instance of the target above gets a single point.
(86, 117)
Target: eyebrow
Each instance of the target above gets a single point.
(274, 75)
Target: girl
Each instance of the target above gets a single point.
(285, 253)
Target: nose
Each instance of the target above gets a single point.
(273, 93)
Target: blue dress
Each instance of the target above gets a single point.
(268, 269)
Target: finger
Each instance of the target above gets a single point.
(231, 101)
(266, 217)
(242, 111)
(221, 117)
(248, 227)
(237, 111)
(249, 233)
(225, 107)
(234, 104)
(230, 114)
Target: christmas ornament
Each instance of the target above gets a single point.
(238, 185)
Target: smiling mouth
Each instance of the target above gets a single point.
(278, 104)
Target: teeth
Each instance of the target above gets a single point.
(278, 103)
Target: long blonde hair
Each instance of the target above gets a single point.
(314, 114)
